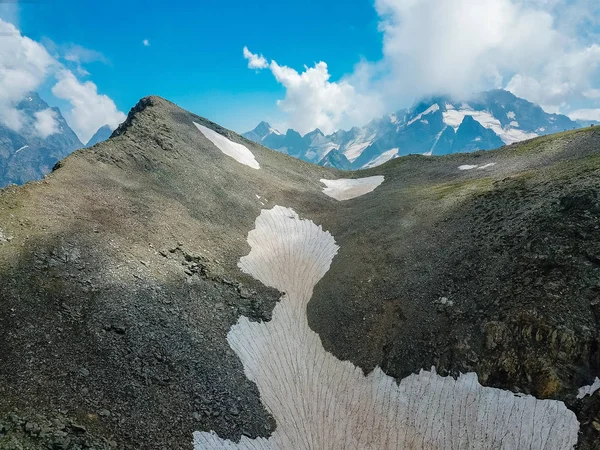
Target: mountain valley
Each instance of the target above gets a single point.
(181, 286)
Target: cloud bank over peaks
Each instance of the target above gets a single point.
(541, 50)
(26, 65)
(89, 110)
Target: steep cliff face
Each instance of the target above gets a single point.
(131, 279)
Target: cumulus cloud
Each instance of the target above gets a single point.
(46, 123)
(542, 50)
(24, 65)
(586, 114)
(89, 109)
(79, 54)
(146, 43)
(10, 12)
(255, 61)
(313, 101)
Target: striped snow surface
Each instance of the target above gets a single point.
(348, 188)
(239, 152)
(322, 403)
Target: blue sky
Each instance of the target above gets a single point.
(328, 64)
(195, 53)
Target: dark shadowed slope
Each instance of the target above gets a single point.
(120, 280)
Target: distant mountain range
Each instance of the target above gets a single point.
(434, 126)
(100, 136)
(30, 153)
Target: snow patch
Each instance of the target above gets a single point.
(384, 157)
(510, 115)
(319, 147)
(348, 188)
(239, 152)
(589, 390)
(354, 148)
(320, 402)
(478, 167)
(508, 135)
(22, 148)
(433, 108)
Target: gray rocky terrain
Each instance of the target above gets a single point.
(119, 280)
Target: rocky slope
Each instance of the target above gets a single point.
(30, 153)
(120, 279)
(433, 126)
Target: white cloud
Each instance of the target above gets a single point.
(585, 114)
(24, 65)
(79, 54)
(565, 79)
(90, 110)
(312, 101)
(46, 123)
(542, 50)
(255, 61)
(10, 12)
(146, 43)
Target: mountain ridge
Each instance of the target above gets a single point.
(428, 127)
(122, 277)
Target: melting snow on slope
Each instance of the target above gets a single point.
(384, 157)
(237, 151)
(470, 167)
(319, 147)
(22, 148)
(454, 118)
(347, 188)
(589, 390)
(320, 402)
(353, 149)
(433, 108)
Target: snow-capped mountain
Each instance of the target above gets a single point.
(43, 139)
(434, 126)
(101, 135)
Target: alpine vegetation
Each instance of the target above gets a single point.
(320, 402)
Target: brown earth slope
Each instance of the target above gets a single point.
(119, 280)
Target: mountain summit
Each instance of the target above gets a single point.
(180, 283)
(43, 139)
(434, 126)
